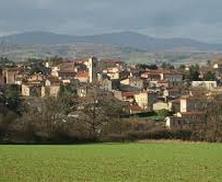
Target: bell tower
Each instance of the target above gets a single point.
(92, 66)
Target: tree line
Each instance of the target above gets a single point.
(97, 117)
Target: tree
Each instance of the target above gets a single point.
(209, 76)
(38, 66)
(6, 123)
(167, 66)
(164, 113)
(11, 98)
(5, 62)
(44, 116)
(182, 67)
(193, 73)
(98, 109)
(208, 62)
(210, 129)
(146, 66)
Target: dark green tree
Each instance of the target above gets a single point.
(193, 73)
(209, 76)
(11, 98)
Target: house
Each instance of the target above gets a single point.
(185, 120)
(112, 63)
(66, 70)
(65, 74)
(192, 112)
(135, 109)
(9, 75)
(51, 80)
(172, 93)
(209, 85)
(152, 75)
(52, 90)
(145, 100)
(88, 90)
(83, 77)
(193, 104)
(109, 85)
(33, 89)
(67, 66)
(133, 82)
(2, 78)
(128, 96)
(52, 86)
(159, 84)
(113, 73)
(217, 66)
(157, 106)
(172, 76)
(175, 105)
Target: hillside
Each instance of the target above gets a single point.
(122, 39)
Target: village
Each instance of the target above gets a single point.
(185, 92)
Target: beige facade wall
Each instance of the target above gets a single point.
(209, 85)
(25, 90)
(161, 105)
(183, 105)
(142, 100)
(54, 91)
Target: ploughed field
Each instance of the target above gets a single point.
(112, 162)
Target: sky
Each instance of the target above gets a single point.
(196, 19)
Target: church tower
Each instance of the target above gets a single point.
(92, 66)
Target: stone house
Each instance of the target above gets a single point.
(157, 106)
(2, 78)
(159, 84)
(9, 75)
(172, 76)
(193, 104)
(185, 120)
(145, 100)
(52, 86)
(32, 90)
(192, 112)
(175, 105)
(52, 90)
(135, 109)
(133, 82)
(209, 85)
(109, 85)
(172, 93)
(83, 77)
(152, 75)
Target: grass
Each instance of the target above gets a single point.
(112, 162)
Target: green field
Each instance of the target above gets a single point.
(112, 162)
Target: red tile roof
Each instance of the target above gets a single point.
(83, 74)
(128, 94)
(135, 108)
(192, 113)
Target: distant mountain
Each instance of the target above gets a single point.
(122, 39)
(37, 38)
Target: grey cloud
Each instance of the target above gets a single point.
(162, 18)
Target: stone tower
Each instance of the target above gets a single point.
(92, 66)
